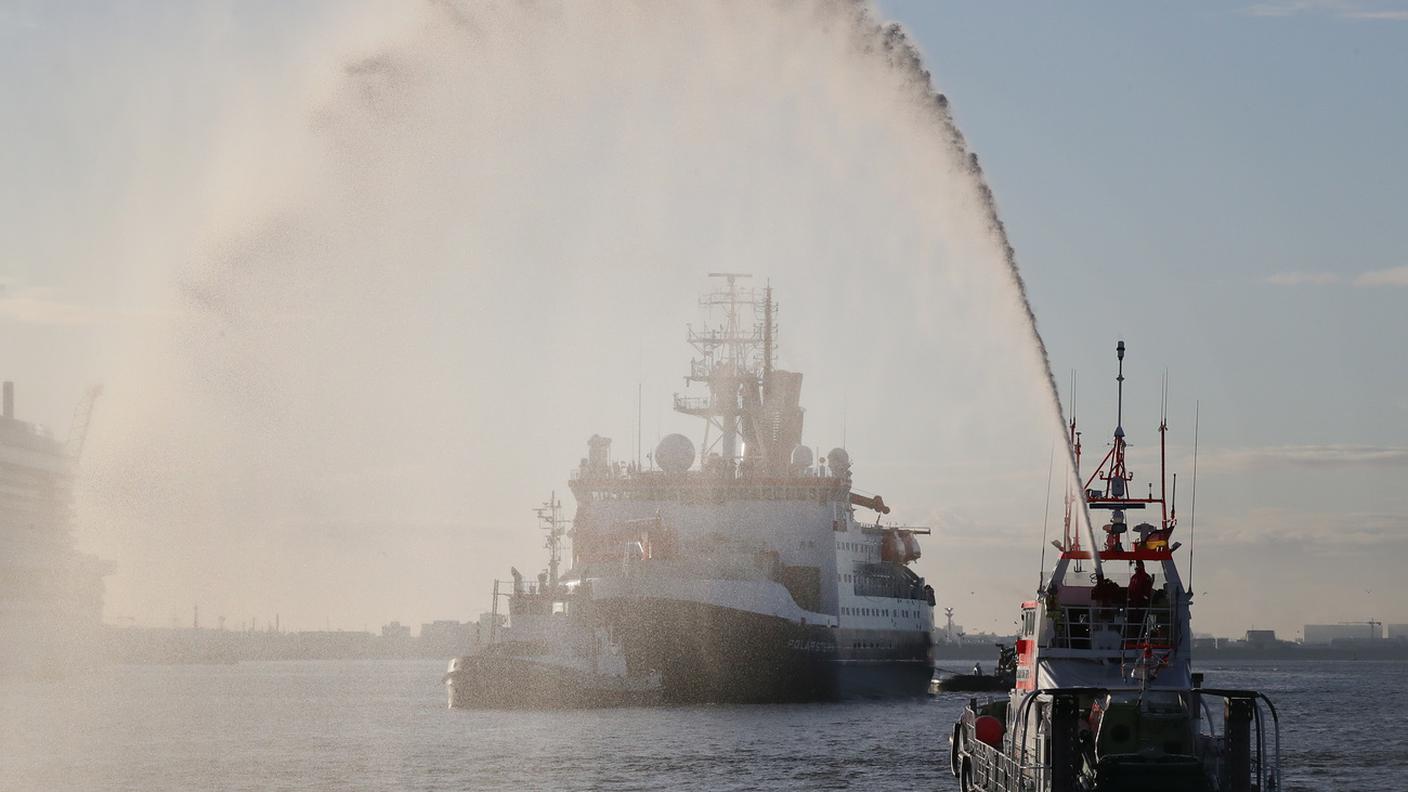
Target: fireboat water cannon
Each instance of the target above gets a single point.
(1105, 697)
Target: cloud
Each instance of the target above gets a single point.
(1393, 276)
(1396, 276)
(1397, 16)
(1301, 528)
(1303, 279)
(1369, 10)
(959, 528)
(38, 305)
(1311, 456)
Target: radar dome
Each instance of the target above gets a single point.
(675, 453)
(838, 459)
(801, 457)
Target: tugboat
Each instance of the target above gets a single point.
(554, 653)
(1105, 699)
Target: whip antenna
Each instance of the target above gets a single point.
(1046, 517)
(1193, 508)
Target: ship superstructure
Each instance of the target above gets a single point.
(742, 571)
(1105, 697)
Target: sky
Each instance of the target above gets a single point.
(1216, 184)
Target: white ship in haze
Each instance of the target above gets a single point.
(51, 595)
(741, 570)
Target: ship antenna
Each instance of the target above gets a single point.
(845, 404)
(1119, 403)
(1173, 505)
(1193, 508)
(1163, 451)
(1046, 517)
(768, 339)
(1074, 441)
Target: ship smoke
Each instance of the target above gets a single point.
(428, 265)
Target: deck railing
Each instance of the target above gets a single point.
(1113, 628)
(996, 771)
(1239, 752)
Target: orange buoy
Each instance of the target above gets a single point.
(989, 730)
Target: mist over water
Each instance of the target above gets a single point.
(459, 240)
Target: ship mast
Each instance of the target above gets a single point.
(735, 361)
(550, 520)
(1115, 496)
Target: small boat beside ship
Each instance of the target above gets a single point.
(1105, 699)
(554, 652)
(1003, 677)
(549, 665)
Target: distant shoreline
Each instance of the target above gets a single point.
(186, 646)
(1377, 650)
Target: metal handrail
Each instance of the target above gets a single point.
(997, 768)
(1268, 776)
(1110, 617)
(1259, 698)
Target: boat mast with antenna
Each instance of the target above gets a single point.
(736, 362)
(550, 520)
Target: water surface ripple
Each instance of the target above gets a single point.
(382, 725)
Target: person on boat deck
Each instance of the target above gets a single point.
(1141, 586)
(1141, 589)
(1106, 592)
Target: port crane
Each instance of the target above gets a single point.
(1375, 626)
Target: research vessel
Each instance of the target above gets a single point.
(1105, 697)
(749, 568)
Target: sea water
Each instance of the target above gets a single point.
(383, 725)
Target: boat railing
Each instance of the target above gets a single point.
(692, 404)
(1114, 628)
(1244, 756)
(996, 770)
(1250, 759)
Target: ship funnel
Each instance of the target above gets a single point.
(9, 399)
(599, 454)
